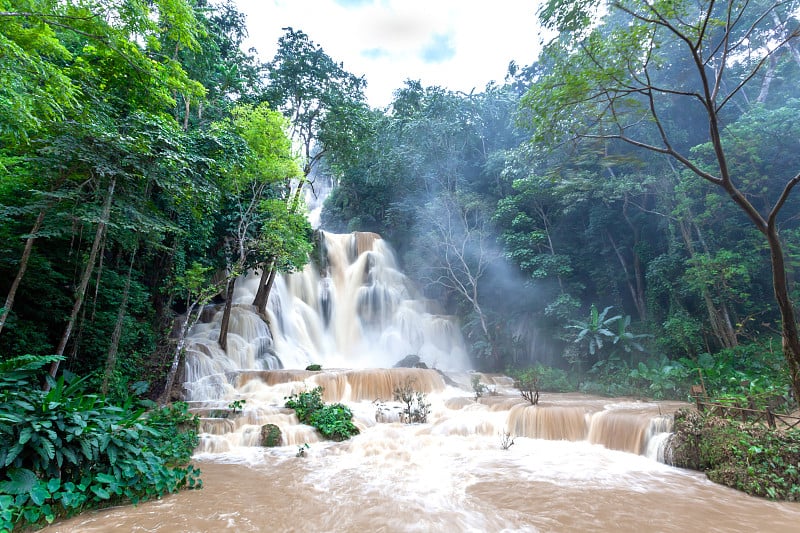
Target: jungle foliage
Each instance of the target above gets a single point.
(619, 215)
(748, 457)
(66, 449)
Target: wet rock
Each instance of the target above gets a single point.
(409, 361)
(683, 447)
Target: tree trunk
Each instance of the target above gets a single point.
(638, 276)
(264, 288)
(791, 339)
(720, 325)
(23, 265)
(87, 273)
(636, 296)
(180, 346)
(769, 77)
(226, 314)
(111, 360)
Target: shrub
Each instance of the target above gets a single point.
(305, 403)
(416, 408)
(237, 405)
(65, 450)
(528, 383)
(477, 387)
(550, 379)
(750, 457)
(335, 422)
(332, 421)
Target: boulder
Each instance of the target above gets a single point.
(409, 361)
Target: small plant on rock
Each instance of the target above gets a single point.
(301, 450)
(236, 405)
(506, 440)
(477, 387)
(416, 408)
(527, 383)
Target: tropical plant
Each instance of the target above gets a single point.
(477, 387)
(236, 405)
(595, 331)
(64, 450)
(617, 80)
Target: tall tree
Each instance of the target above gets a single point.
(262, 171)
(320, 98)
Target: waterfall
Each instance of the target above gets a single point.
(356, 315)
(354, 310)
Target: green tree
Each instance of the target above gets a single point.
(262, 170)
(320, 98)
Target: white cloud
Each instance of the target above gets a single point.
(386, 40)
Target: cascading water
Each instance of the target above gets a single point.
(571, 463)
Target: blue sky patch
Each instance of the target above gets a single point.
(353, 3)
(375, 53)
(438, 49)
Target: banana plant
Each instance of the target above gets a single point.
(595, 331)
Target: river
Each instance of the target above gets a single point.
(450, 475)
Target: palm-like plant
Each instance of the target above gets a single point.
(595, 331)
(625, 338)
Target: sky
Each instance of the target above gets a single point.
(460, 45)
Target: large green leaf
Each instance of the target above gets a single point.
(39, 494)
(21, 481)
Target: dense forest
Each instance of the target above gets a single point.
(618, 214)
(589, 213)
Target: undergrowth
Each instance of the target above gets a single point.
(65, 450)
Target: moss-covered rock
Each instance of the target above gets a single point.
(271, 436)
(683, 447)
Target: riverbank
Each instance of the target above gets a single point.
(750, 457)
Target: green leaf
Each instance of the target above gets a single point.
(25, 434)
(46, 449)
(6, 501)
(21, 481)
(12, 453)
(101, 492)
(53, 484)
(103, 477)
(32, 514)
(39, 494)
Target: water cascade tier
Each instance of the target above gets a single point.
(630, 426)
(356, 315)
